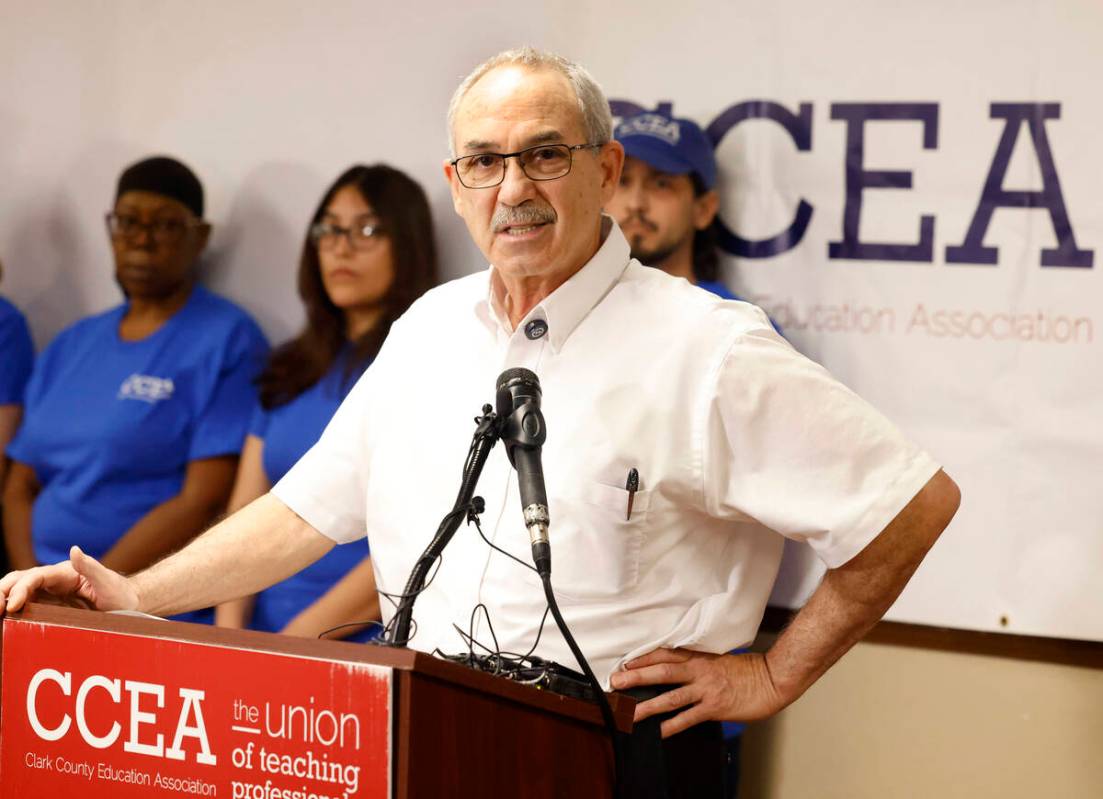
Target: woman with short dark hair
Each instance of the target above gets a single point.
(368, 254)
(134, 418)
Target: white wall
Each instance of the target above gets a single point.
(893, 723)
(269, 101)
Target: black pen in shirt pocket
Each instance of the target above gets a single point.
(632, 485)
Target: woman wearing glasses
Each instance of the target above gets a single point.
(134, 418)
(368, 254)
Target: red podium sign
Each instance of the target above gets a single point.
(94, 713)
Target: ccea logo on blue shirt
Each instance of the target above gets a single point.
(146, 388)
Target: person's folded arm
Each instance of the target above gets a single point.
(173, 523)
(236, 613)
(11, 414)
(258, 546)
(20, 489)
(848, 602)
(250, 482)
(351, 599)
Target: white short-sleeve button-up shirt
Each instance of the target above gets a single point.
(738, 440)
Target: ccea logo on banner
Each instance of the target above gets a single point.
(112, 715)
(1024, 125)
(860, 178)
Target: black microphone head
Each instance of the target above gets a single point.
(516, 387)
(519, 374)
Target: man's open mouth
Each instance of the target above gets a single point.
(520, 230)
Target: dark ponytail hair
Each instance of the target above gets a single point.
(404, 215)
(706, 261)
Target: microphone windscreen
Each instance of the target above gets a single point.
(520, 374)
(515, 388)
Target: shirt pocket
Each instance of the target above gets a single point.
(595, 548)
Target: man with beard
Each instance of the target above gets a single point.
(666, 201)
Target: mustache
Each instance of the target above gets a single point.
(520, 216)
(642, 220)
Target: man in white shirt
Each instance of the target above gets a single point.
(735, 438)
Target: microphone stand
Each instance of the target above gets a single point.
(485, 437)
(489, 429)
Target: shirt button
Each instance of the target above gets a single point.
(536, 328)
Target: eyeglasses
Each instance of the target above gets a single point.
(542, 162)
(168, 230)
(360, 237)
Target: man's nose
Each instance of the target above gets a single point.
(142, 237)
(516, 185)
(637, 197)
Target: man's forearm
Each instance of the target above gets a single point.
(854, 596)
(261, 544)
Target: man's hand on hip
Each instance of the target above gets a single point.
(81, 581)
(711, 687)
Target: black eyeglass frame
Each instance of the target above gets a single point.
(171, 230)
(570, 148)
(320, 230)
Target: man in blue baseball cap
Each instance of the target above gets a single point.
(667, 197)
(666, 201)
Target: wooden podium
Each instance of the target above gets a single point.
(95, 704)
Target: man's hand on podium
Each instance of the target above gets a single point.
(81, 581)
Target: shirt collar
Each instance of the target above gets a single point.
(569, 304)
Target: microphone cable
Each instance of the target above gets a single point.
(619, 786)
(484, 439)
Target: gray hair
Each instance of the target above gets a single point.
(597, 119)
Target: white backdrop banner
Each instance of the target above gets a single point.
(910, 189)
(936, 244)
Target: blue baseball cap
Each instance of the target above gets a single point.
(677, 146)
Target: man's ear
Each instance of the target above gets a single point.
(453, 184)
(611, 160)
(705, 208)
(202, 237)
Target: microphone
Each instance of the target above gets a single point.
(523, 432)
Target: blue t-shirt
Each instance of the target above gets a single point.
(110, 425)
(16, 354)
(288, 431)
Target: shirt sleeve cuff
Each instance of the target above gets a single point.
(336, 526)
(908, 483)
